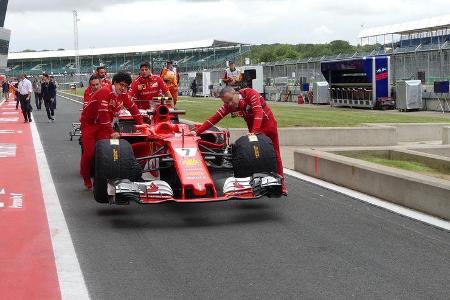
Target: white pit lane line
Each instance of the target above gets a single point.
(67, 98)
(401, 210)
(70, 277)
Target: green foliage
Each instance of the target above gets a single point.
(281, 52)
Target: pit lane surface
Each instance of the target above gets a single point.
(314, 244)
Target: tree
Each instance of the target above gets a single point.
(280, 52)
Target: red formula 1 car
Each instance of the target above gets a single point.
(160, 161)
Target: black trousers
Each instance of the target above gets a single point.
(54, 103)
(38, 100)
(49, 108)
(25, 105)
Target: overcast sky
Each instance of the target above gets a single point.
(103, 23)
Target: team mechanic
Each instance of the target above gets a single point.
(103, 75)
(94, 85)
(147, 86)
(96, 119)
(257, 114)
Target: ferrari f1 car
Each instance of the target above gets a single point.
(160, 161)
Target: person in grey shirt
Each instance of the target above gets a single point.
(37, 93)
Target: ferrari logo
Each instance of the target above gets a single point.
(115, 155)
(256, 151)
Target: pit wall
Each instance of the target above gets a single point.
(416, 191)
(368, 135)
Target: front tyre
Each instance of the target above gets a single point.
(114, 159)
(253, 154)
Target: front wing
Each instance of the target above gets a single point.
(158, 191)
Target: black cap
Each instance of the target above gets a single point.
(231, 62)
(170, 62)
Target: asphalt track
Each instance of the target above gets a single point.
(314, 244)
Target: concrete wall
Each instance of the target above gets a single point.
(446, 135)
(416, 132)
(441, 150)
(370, 135)
(327, 136)
(422, 193)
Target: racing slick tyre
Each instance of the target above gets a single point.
(114, 159)
(253, 154)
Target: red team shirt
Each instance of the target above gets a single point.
(87, 97)
(88, 93)
(154, 86)
(253, 107)
(105, 82)
(104, 105)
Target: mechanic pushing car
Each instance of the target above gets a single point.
(146, 87)
(256, 112)
(96, 119)
(94, 85)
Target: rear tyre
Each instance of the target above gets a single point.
(253, 156)
(113, 160)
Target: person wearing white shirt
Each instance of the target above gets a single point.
(232, 76)
(24, 91)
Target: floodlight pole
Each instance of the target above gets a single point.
(76, 46)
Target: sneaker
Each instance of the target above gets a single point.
(53, 119)
(87, 183)
(31, 120)
(25, 121)
(50, 120)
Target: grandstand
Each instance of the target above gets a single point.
(418, 50)
(431, 31)
(191, 56)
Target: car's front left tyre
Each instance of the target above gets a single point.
(114, 159)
